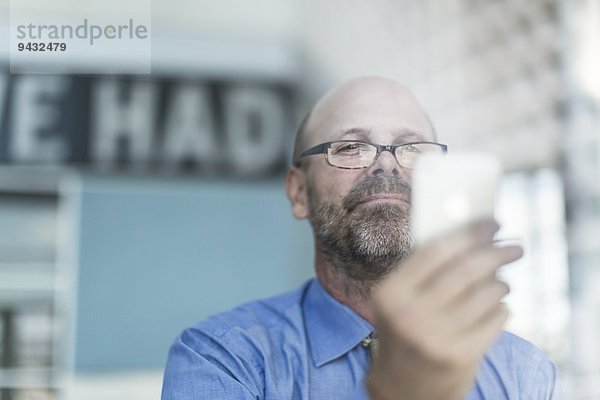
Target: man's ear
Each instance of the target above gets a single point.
(295, 187)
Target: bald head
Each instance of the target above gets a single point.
(362, 105)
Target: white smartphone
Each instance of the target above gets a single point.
(452, 190)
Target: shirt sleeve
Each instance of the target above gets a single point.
(545, 383)
(192, 375)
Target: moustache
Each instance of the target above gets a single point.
(374, 185)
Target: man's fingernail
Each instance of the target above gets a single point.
(488, 227)
(515, 251)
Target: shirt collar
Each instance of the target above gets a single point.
(333, 328)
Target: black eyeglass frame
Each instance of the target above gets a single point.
(324, 147)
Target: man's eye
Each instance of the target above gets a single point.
(411, 148)
(352, 146)
(348, 148)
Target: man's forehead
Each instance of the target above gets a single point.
(367, 112)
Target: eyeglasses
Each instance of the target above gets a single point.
(352, 154)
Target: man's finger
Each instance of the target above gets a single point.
(466, 313)
(483, 333)
(468, 271)
(428, 260)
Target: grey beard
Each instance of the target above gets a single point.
(364, 243)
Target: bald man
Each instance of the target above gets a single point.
(381, 320)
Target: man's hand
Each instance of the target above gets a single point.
(438, 314)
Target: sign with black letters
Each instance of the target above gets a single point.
(145, 123)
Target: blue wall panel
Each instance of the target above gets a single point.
(157, 256)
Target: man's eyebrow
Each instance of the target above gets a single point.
(408, 133)
(402, 134)
(356, 131)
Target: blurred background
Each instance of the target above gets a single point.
(133, 205)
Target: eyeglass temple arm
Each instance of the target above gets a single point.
(318, 149)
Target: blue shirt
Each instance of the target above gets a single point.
(306, 345)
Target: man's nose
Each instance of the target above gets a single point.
(385, 164)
